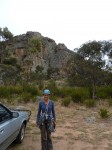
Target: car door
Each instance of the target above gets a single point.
(7, 128)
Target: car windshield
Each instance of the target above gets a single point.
(4, 114)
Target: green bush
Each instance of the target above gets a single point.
(26, 91)
(80, 94)
(4, 92)
(52, 87)
(18, 90)
(10, 61)
(90, 103)
(26, 97)
(68, 91)
(40, 86)
(65, 92)
(66, 101)
(34, 98)
(30, 89)
(104, 113)
(104, 92)
(54, 98)
(77, 94)
(15, 90)
(101, 93)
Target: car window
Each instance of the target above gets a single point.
(4, 114)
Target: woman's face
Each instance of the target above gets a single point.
(46, 97)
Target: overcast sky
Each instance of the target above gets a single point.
(72, 22)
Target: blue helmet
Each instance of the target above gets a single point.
(46, 91)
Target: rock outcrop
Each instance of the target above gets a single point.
(50, 56)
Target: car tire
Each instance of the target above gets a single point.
(21, 134)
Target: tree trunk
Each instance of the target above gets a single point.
(93, 90)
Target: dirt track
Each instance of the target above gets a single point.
(74, 130)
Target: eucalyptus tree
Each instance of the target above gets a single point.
(86, 67)
(92, 54)
(8, 74)
(5, 35)
(107, 50)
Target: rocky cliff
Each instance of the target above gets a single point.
(51, 55)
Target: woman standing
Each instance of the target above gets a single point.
(46, 120)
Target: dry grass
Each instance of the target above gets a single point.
(73, 132)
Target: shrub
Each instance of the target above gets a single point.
(18, 90)
(4, 92)
(104, 92)
(26, 97)
(80, 94)
(66, 101)
(76, 97)
(104, 113)
(34, 98)
(15, 89)
(54, 98)
(77, 94)
(52, 87)
(30, 89)
(26, 91)
(10, 61)
(40, 86)
(109, 91)
(62, 93)
(65, 91)
(90, 103)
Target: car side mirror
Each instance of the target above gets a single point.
(15, 114)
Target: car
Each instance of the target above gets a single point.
(12, 125)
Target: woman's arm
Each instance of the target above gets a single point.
(53, 112)
(38, 113)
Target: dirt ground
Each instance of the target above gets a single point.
(78, 128)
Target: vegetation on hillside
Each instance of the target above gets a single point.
(89, 68)
(89, 75)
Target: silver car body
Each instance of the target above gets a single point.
(10, 127)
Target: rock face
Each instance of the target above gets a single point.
(50, 56)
